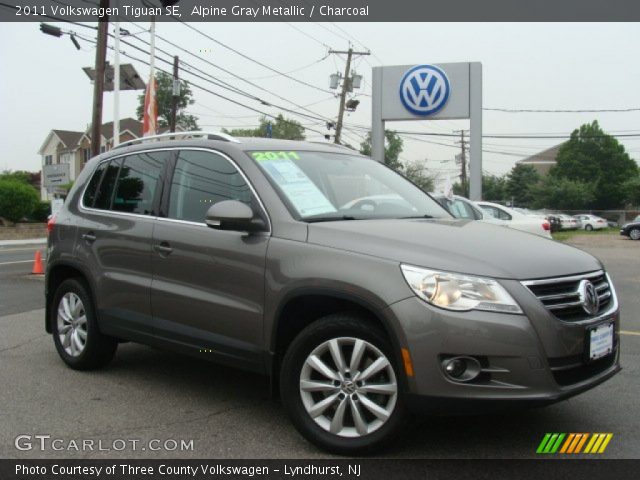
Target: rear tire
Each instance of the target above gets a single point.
(322, 393)
(75, 328)
(588, 228)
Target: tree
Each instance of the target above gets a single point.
(521, 183)
(631, 191)
(592, 156)
(563, 194)
(392, 149)
(282, 127)
(17, 200)
(22, 176)
(415, 172)
(164, 98)
(494, 188)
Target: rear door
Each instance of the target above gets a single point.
(208, 285)
(118, 211)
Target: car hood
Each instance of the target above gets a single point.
(456, 245)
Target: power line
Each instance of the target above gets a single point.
(592, 110)
(297, 80)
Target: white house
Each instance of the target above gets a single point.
(64, 153)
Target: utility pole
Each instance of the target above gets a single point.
(346, 87)
(463, 156)
(176, 94)
(116, 87)
(98, 86)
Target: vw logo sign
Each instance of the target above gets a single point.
(424, 90)
(589, 297)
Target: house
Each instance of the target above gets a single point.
(65, 153)
(542, 161)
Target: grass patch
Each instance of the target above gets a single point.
(565, 235)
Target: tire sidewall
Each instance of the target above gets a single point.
(75, 286)
(631, 233)
(302, 346)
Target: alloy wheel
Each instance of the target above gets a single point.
(348, 387)
(635, 234)
(72, 324)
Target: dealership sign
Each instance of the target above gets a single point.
(55, 175)
(426, 91)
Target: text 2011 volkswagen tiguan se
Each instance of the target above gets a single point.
(352, 289)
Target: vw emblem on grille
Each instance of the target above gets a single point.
(589, 297)
(424, 89)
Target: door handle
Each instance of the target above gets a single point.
(163, 248)
(89, 237)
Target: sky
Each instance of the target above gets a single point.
(554, 66)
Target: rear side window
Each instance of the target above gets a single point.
(92, 188)
(105, 188)
(137, 183)
(201, 179)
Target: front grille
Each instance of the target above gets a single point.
(570, 370)
(561, 296)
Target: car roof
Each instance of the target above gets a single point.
(225, 143)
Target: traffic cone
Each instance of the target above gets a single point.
(37, 264)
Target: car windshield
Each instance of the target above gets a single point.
(322, 186)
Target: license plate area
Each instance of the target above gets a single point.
(600, 341)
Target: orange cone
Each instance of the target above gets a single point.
(37, 264)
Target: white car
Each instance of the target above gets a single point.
(592, 222)
(514, 219)
(567, 222)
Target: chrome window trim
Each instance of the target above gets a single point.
(82, 207)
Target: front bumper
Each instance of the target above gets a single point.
(530, 360)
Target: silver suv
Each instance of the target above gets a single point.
(356, 293)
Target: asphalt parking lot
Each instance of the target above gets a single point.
(148, 394)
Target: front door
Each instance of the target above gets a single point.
(208, 285)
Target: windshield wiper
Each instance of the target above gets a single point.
(329, 219)
(417, 216)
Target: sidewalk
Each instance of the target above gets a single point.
(30, 241)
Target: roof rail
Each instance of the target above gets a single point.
(334, 145)
(208, 135)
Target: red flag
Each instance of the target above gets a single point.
(150, 117)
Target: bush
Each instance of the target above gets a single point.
(41, 212)
(17, 200)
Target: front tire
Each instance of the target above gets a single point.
(340, 385)
(75, 328)
(634, 234)
(588, 228)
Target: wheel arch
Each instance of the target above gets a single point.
(301, 307)
(56, 274)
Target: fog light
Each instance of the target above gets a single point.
(461, 369)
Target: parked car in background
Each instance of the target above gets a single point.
(461, 207)
(554, 221)
(514, 219)
(631, 229)
(567, 222)
(591, 222)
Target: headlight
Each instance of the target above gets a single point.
(454, 291)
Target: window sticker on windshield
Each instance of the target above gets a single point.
(266, 156)
(299, 189)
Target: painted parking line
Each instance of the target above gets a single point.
(19, 261)
(629, 332)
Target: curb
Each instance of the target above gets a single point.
(30, 241)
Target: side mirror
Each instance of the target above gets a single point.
(235, 216)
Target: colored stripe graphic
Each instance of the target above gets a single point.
(573, 443)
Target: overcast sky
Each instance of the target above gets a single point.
(526, 66)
